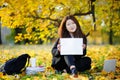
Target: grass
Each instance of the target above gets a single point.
(43, 55)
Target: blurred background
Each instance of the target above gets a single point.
(30, 26)
(37, 21)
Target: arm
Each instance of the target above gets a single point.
(85, 45)
(55, 51)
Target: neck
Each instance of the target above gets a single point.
(71, 34)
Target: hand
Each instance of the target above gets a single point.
(58, 47)
(84, 46)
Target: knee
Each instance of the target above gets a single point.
(88, 60)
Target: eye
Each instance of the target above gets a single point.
(68, 24)
(72, 22)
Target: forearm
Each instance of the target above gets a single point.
(84, 52)
(55, 52)
(85, 45)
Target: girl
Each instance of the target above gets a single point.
(70, 28)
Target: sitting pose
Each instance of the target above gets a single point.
(70, 28)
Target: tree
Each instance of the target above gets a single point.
(109, 12)
(38, 20)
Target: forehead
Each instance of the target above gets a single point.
(69, 20)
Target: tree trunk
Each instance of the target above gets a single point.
(93, 13)
(111, 33)
(111, 24)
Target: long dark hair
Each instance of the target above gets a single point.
(63, 32)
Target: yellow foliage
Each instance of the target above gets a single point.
(28, 79)
(44, 57)
(29, 14)
(36, 78)
(29, 30)
(1, 74)
(41, 14)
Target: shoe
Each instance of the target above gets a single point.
(64, 71)
(74, 72)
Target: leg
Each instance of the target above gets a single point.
(60, 65)
(83, 64)
(70, 61)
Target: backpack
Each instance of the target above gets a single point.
(16, 65)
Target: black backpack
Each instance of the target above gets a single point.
(16, 65)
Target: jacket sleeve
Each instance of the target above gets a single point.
(55, 51)
(84, 42)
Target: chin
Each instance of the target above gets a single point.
(72, 31)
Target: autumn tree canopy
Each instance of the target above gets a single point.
(38, 20)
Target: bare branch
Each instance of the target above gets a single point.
(83, 14)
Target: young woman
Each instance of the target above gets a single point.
(70, 28)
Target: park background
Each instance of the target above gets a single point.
(30, 26)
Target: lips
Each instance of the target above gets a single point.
(71, 28)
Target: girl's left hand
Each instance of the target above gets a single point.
(84, 46)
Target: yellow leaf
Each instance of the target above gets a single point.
(28, 79)
(1, 74)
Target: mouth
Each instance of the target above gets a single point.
(72, 29)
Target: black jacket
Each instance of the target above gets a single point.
(56, 54)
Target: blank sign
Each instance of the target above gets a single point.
(71, 46)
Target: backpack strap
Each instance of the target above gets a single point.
(28, 60)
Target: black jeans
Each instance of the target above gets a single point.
(61, 65)
(81, 63)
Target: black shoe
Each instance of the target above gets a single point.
(74, 72)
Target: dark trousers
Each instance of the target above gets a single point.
(81, 63)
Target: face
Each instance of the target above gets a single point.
(71, 26)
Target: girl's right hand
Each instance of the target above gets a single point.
(58, 47)
(84, 46)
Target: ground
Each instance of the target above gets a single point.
(98, 53)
